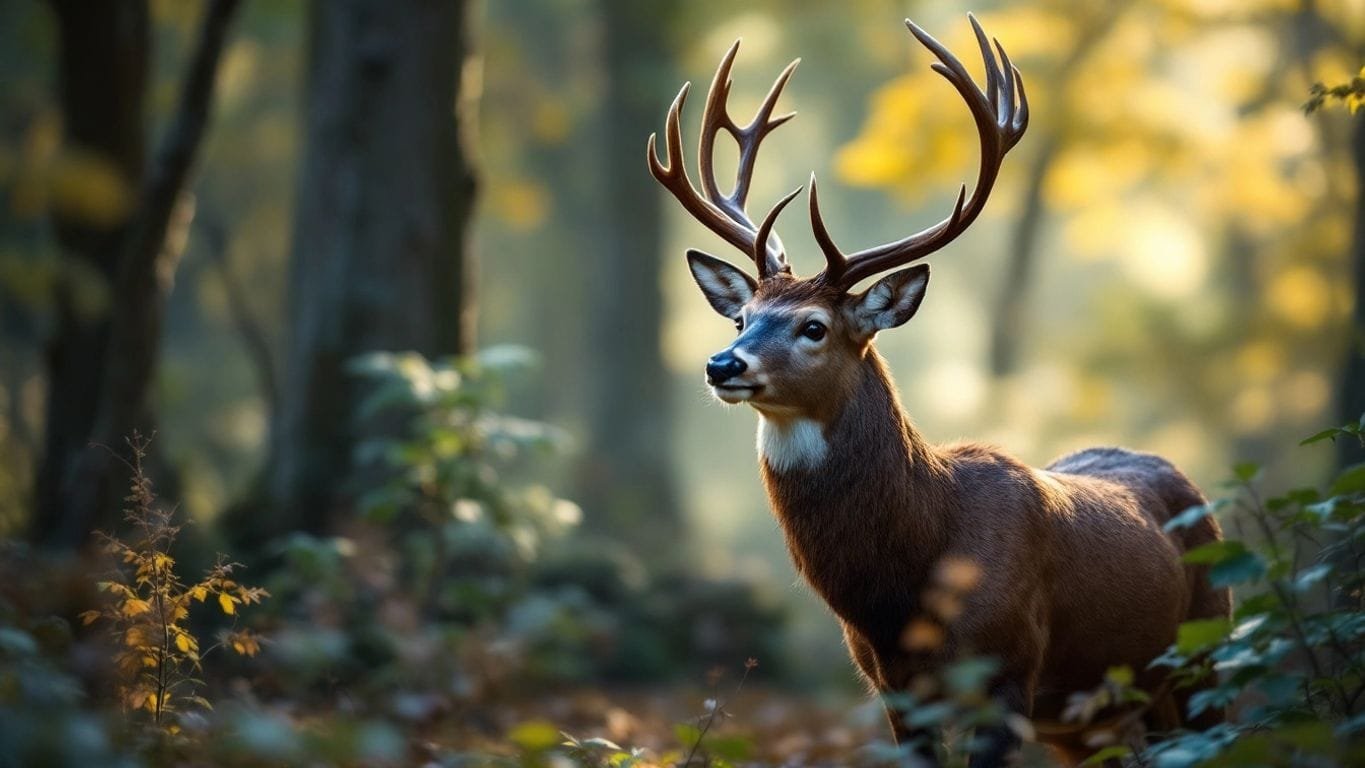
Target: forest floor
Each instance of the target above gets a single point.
(763, 725)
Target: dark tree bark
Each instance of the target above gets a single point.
(627, 484)
(1351, 398)
(380, 258)
(101, 82)
(101, 374)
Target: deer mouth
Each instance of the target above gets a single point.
(736, 393)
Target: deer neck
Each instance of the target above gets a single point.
(863, 500)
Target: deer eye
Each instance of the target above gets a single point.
(814, 330)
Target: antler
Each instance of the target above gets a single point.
(1000, 121)
(725, 214)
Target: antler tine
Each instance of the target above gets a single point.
(715, 118)
(749, 137)
(766, 266)
(724, 214)
(835, 262)
(674, 178)
(1001, 116)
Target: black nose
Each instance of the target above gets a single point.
(722, 367)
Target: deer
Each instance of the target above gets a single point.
(927, 553)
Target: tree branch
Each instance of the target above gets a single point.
(254, 336)
(135, 332)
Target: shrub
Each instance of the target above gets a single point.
(1291, 662)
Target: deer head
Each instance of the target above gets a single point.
(799, 338)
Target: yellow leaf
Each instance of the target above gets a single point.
(228, 603)
(136, 637)
(89, 617)
(134, 607)
(245, 643)
(183, 643)
(199, 593)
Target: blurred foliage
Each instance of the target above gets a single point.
(1350, 94)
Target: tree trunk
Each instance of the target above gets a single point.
(1351, 398)
(379, 260)
(627, 484)
(1009, 324)
(101, 373)
(102, 77)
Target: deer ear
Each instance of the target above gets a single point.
(892, 300)
(725, 287)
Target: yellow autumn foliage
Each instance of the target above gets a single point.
(149, 610)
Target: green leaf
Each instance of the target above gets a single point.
(1246, 471)
(601, 743)
(1214, 552)
(1323, 510)
(1120, 676)
(1248, 626)
(372, 364)
(1115, 752)
(970, 675)
(1188, 517)
(1326, 434)
(1197, 635)
(506, 358)
(1351, 480)
(687, 734)
(1310, 576)
(930, 714)
(1212, 698)
(534, 736)
(1237, 569)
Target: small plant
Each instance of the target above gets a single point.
(717, 752)
(159, 657)
(454, 477)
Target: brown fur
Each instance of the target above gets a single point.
(1076, 574)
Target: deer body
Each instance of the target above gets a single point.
(930, 553)
(1077, 575)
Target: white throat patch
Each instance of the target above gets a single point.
(791, 444)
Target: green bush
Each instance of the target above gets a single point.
(1291, 662)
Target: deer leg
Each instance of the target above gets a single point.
(996, 743)
(865, 657)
